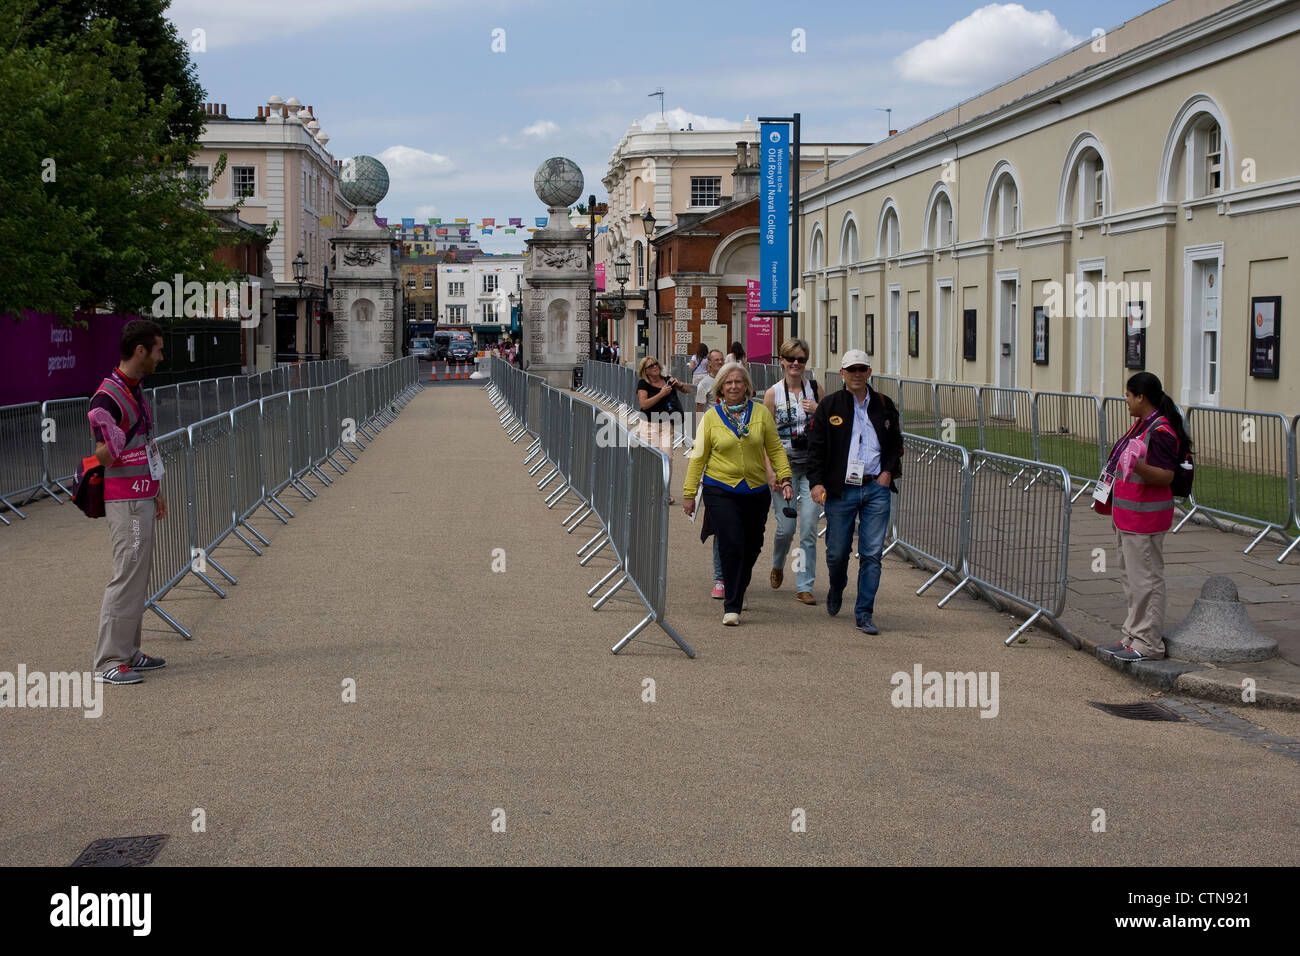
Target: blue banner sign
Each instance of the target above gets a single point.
(774, 217)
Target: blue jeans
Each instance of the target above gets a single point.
(869, 505)
(785, 527)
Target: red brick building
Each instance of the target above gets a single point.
(701, 265)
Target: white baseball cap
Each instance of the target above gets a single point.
(854, 357)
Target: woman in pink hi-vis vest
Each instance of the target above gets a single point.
(1134, 490)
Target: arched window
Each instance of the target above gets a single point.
(849, 242)
(817, 249)
(939, 224)
(889, 238)
(1002, 204)
(1197, 161)
(1085, 187)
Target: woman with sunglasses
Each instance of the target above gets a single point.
(792, 402)
(658, 399)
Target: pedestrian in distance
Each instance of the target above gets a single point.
(705, 399)
(618, 354)
(659, 400)
(1136, 490)
(698, 361)
(792, 402)
(737, 354)
(122, 425)
(855, 453)
(727, 470)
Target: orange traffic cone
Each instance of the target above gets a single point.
(433, 371)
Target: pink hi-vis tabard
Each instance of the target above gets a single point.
(128, 476)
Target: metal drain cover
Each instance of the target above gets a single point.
(122, 851)
(1143, 711)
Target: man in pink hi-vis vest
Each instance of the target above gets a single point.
(123, 426)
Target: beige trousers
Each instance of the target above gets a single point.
(1142, 558)
(130, 526)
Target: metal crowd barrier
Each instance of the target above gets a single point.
(615, 476)
(764, 376)
(680, 367)
(70, 443)
(931, 516)
(222, 469)
(1007, 422)
(1017, 536)
(1071, 433)
(21, 471)
(1246, 468)
(1294, 485)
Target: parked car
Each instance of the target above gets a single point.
(422, 349)
(461, 351)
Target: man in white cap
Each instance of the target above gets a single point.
(855, 451)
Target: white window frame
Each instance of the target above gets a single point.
(490, 282)
(701, 188)
(234, 182)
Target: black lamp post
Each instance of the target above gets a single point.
(511, 297)
(300, 276)
(648, 226)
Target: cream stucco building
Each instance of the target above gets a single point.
(1158, 164)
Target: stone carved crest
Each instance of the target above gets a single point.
(559, 258)
(360, 256)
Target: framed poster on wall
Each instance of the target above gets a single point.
(914, 334)
(835, 333)
(1135, 336)
(968, 334)
(1265, 335)
(870, 339)
(1040, 335)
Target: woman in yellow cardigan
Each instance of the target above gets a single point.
(728, 466)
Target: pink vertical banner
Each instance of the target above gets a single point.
(600, 277)
(758, 329)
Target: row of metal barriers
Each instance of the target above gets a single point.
(1246, 461)
(222, 469)
(43, 443)
(615, 476)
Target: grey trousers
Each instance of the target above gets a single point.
(130, 526)
(1142, 558)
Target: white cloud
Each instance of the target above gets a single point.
(246, 22)
(409, 163)
(679, 118)
(541, 129)
(425, 212)
(991, 45)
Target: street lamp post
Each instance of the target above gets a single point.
(622, 269)
(511, 297)
(648, 226)
(300, 276)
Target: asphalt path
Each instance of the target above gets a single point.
(491, 724)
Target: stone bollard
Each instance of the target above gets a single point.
(1216, 630)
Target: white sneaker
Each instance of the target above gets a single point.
(731, 619)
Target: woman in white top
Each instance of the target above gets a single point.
(792, 402)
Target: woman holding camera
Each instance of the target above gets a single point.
(660, 404)
(735, 439)
(792, 402)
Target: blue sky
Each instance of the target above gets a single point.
(462, 127)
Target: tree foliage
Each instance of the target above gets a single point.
(96, 132)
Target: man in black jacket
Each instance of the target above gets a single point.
(855, 451)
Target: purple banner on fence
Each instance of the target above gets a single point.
(43, 359)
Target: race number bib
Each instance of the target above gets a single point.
(156, 469)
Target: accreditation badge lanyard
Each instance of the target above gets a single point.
(793, 413)
(1106, 483)
(857, 467)
(152, 454)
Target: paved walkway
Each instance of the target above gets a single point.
(480, 690)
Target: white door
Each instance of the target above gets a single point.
(1006, 338)
(1210, 328)
(943, 334)
(1088, 310)
(895, 334)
